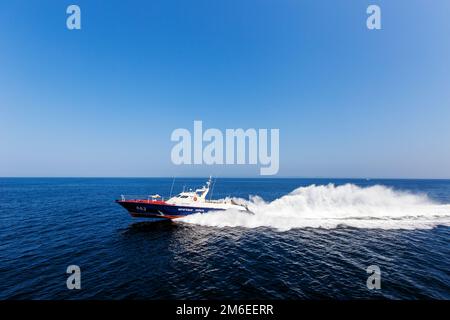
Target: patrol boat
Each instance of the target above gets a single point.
(179, 206)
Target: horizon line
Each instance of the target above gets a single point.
(218, 177)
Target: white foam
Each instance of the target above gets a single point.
(329, 206)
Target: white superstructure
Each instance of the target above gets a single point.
(197, 198)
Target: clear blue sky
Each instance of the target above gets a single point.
(104, 100)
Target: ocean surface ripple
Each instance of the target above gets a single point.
(307, 239)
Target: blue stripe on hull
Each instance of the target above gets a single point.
(139, 209)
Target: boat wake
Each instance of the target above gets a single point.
(330, 206)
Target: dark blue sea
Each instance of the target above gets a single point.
(307, 239)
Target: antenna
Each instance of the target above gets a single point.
(171, 188)
(208, 183)
(212, 188)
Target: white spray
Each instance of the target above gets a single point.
(330, 206)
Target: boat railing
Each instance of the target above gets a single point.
(143, 198)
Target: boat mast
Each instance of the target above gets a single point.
(212, 189)
(171, 188)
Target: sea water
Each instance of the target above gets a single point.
(306, 239)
